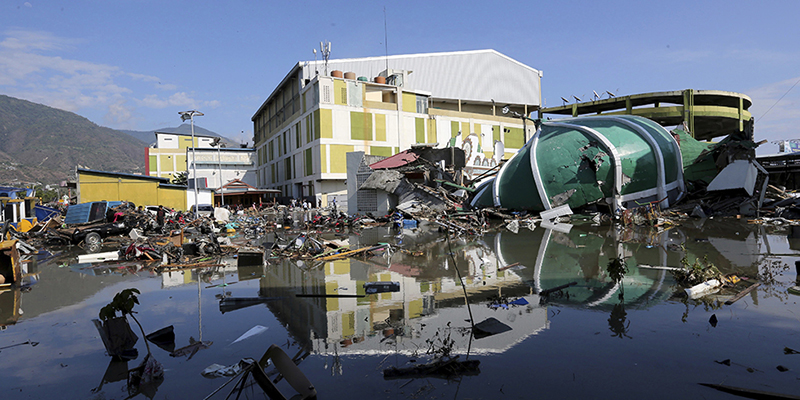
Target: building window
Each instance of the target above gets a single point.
(271, 153)
(422, 104)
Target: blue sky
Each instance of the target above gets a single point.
(133, 64)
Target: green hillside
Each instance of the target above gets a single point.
(44, 144)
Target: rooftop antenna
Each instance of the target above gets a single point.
(316, 71)
(386, 37)
(577, 99)
(610, 95)
(325, 50)
(596, 96)
(564, 100)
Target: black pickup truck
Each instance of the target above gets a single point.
(91, 234)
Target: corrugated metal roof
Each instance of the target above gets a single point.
(397, 160)
(122, 174)
(186, 130)
(479, 75)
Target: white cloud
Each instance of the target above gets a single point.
(181, 99)
(33, 66)
(19, 39)
(119, 114)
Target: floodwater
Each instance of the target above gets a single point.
(594, 339)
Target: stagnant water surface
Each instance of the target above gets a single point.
(596, 339)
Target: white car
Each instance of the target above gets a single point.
(204, 210)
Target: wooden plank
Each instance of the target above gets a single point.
(741, 294)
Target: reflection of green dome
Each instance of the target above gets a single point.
(552, 259)
(580, 161)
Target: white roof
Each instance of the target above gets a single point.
(478, 75)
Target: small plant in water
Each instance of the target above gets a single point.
(699, 271)
(123, 304)
(616, 271)
(441, 345)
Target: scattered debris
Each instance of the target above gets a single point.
(251, 332)
(488, 327)
(749, 393)
(444, 368)
(741, 294)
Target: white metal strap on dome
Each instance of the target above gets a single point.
(661, 178)
(537, 177)
(614, 157)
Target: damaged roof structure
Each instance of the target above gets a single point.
(618, 160)
(415, 177)
(608, 163)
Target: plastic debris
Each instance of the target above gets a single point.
(250, 333)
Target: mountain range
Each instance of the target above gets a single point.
(41, 144)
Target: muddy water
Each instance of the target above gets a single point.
(639, 338)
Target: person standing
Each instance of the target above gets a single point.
(160, 214)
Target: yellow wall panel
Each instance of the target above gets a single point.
(339, 157)
(384, 151)
(341, 267)
(153, 161)
(325, 123)
(323, 157)
(172, 197)
(332, 303)
(339, 92)
(465, 131)
(348, 324)
(415, 308)
(166, 162)
(409, 102)
(380, 127)
(431, 131)
(180, 162)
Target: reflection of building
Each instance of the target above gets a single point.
(308, 124)
(380, 322)
(184, 277)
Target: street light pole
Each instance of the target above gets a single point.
(190, 116)
(218, 142)
(524, 118)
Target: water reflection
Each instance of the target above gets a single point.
(498, 270)
(431, 301)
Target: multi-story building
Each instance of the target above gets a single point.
(169, 155)
(383, 105)
(216, 166)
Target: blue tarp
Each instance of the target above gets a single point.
(44, 213)
(88, 212)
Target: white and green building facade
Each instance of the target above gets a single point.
(383, 105)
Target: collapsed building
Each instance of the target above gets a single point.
(594, 163)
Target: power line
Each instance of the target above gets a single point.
(776, 103)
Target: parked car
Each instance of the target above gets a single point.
(204, 210)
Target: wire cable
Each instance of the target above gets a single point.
(778, 101)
